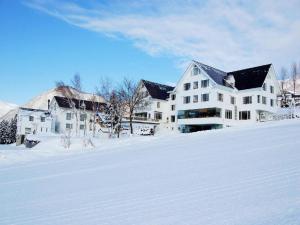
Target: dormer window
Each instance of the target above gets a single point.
(196, 70)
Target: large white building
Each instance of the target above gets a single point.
(208, 98)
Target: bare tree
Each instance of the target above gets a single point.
(133, 97)
(294, 71)
(283, 78)
(70, 95)
(116, 107)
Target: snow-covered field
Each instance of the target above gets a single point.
(243, 176)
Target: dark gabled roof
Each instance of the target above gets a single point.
(215, 74)
(157, 91)
(89, 105)
(250, 78)
(33, 110)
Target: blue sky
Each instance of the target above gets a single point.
(43, 41)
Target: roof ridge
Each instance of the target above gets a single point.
(269, 64)
(157, 83)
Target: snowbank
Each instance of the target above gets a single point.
(245, 176)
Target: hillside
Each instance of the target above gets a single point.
(6, 107)
(242, 176)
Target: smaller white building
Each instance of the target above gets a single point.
(33, 121)
(76, 118)
(156, 109)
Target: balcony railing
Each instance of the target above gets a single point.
(140, 118)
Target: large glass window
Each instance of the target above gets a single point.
(199, 113)
(244, 115)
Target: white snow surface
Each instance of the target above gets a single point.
(244, 176)
(6, 107)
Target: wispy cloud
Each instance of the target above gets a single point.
(228, 34)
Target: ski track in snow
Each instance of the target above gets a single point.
(239, 176)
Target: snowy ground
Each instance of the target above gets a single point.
(242, 176)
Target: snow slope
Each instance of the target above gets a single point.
(6, 107)
(243, 176)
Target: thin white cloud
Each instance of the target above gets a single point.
(227, 34)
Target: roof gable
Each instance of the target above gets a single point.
(216, 75)
(156, 90)
(251, 77)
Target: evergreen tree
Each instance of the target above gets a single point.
(13, 130)
(4, 139)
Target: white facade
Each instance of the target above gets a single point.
(67, 120)
(33, 121)
(199, 103)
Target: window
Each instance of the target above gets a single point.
(228, 114)
(264, 87)
(264, 100)
(220, 97)
(158, 105)
(31, 118)
(173, 97)
(232, 100)
(172, 119)
(81, 127)
(247, 100)
(69, 125)
(271, 102)
(204, 83)
(187, 86)
(258, 98)
(195, 85)
(82, 117)
(27, 130)
(196, 70)
(199, 113)
(272, 89)
(43, 119)
(186, 100)
(244, 115)
(205, 97)
(195, 98)
(68, 116)
(173, 107)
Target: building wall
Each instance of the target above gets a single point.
(37, 126)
